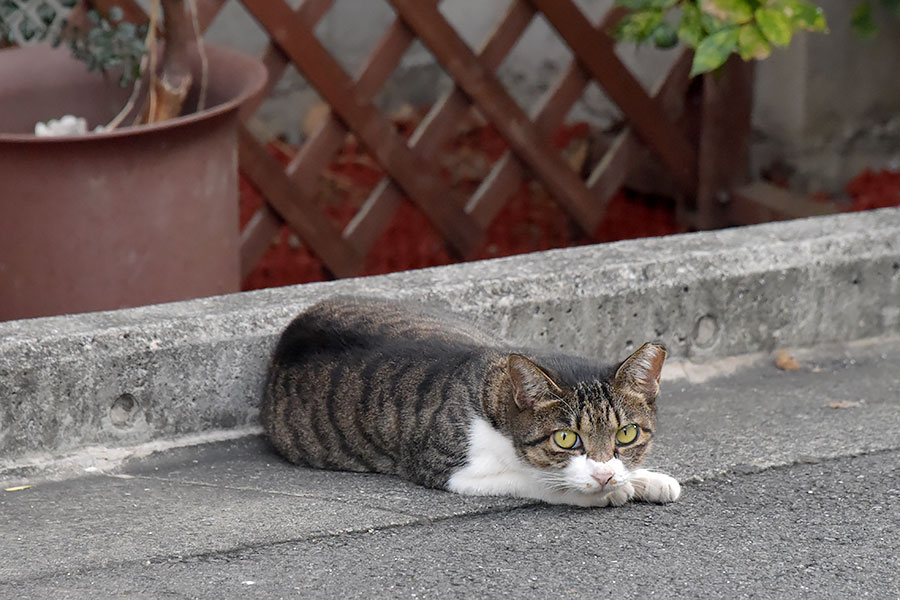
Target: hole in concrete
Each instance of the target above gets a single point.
(705, 331)
(124, 410)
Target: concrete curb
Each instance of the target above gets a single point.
(128, 377)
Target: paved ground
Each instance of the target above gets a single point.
(792, 491)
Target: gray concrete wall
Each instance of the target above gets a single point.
(132, 376)
(828, 105)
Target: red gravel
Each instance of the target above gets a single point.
(874, 189)
(529, 222)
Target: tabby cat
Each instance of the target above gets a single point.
(369, 385)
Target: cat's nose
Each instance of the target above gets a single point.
(602, 478)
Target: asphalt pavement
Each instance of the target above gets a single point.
(791, 490)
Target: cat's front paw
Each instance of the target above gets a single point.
(619, 496)
(650, 486)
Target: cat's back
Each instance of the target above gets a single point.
(368, 385)
(345, 324)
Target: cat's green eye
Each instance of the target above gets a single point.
(626, 435)
(565, 438)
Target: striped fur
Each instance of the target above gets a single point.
(372, 386)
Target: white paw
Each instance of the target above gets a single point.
(650, 486)
(619, 496)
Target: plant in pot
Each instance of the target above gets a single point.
(139, 206)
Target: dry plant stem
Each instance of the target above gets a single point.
(150, 43)
(135, 92)
(151, 52)
(204, 62)
(174, 81)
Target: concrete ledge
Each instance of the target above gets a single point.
(133, 376)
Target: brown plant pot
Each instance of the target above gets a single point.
(136, 216)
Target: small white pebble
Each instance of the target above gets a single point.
(66, 125)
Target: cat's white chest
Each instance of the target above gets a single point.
(492, 467)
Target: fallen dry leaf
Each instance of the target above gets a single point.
(18, 488)
(785, 361)
(576, 153)
(315, 117)
(842, 404)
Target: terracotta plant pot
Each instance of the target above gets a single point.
(137, 216)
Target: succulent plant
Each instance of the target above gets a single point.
(103, 42)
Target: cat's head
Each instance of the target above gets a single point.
(585, 435)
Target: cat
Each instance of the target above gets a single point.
(374, 386)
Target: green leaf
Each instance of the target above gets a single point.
(752, 43)
(802, 15)
(646, 4)
(775, 25)
(690, 27)
(862, 21)
(733, 12)
(714, 50)
(713, 24)
(634, 4)
(665, 36)
(639, 26)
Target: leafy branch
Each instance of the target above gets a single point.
(716, 29)
(102, 41)
(108, 42)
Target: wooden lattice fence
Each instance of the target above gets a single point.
(703, 164)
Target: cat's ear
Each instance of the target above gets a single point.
(531, 385)
(641, 371)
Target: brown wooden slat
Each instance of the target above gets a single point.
(609, 175)
(256, 237)
(318, 150)
(207, 11)
(299, 211)
(550, 111)
(257, 234)
(492, 99)
(761, 202)
(265, 223)
(414, 175)
(724, 139)
(440, 123)
(328, 138)
(596, 51)
(442, 120)
(276, 61)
